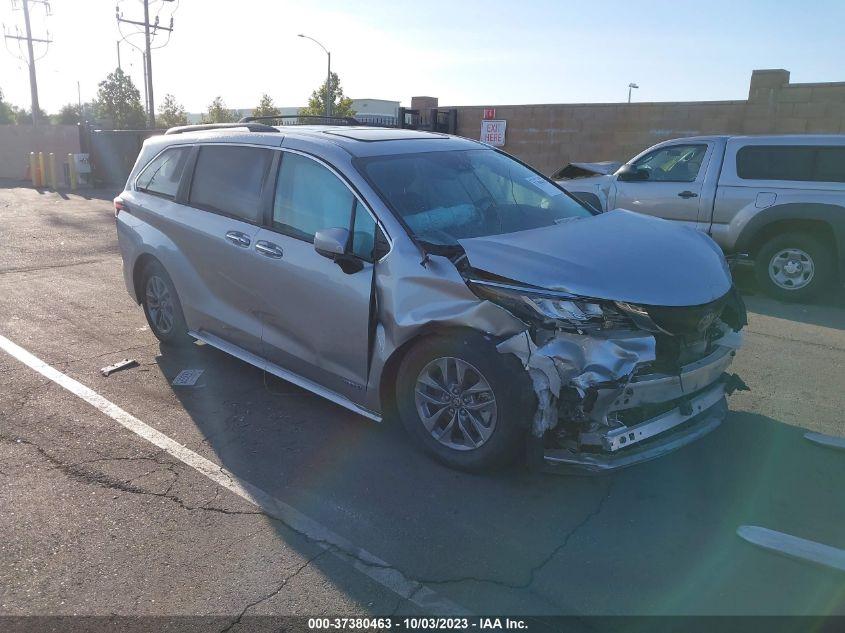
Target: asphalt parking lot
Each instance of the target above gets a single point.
(345, 516)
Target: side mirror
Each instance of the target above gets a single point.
(331, 243)
(628, 173)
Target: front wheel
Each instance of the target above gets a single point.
(794, 266)
(463, 402)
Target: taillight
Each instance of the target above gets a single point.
(119, 206)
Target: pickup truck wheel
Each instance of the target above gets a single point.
(463, 402)
(794, 266)
(162, 307)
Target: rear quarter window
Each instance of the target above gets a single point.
(229, 179)
(791, 162)
(161, 176)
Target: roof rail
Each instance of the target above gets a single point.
(308, 118)
(252, 127)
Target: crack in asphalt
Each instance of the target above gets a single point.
(272, 594)
(342, 551)
(29, 269)
(74, 471)
(532, 573)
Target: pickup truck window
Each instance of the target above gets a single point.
(791, 162)
(676, 163)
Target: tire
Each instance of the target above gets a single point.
(464, 448)
(810, 261)
(162, 307)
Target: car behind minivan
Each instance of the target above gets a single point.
(438, 280)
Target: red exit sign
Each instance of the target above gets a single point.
(489, 113)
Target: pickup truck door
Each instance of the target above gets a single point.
(669, 184)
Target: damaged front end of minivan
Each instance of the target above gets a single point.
(628, 353)
(617, 383)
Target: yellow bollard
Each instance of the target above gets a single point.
(33, 169)
(41, 179)
(51, 164)
(71, 170)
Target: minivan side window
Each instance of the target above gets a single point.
(309, 198)
(161, 176)
(675, 163)
(791, 162)
(228, 179)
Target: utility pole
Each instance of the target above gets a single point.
(147, 105)
(118, 55)
(148, 60)
(33, 84)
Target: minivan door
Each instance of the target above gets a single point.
(666, 183)
(226, 202)
(315, 314)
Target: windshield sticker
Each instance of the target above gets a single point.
(544, 185)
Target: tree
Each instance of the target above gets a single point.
(7, 115)
(22, 116)
(119, 100)
(171, 113)
(266, 107)
(219, 113)
(69, 114)
(341, 105)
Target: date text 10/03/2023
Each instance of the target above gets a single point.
(418, 623)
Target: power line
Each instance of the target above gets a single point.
(30, 58)
(150, 28)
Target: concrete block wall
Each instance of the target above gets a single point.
(17, 141)
(549, 136)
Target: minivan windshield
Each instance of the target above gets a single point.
(450, 195)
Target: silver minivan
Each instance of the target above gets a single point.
(434, 279)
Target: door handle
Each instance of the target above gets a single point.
(268, 249)
(687, 194)
(238, 239)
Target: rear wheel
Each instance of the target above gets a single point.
(463, 402)
(162, 307)
(794, 266)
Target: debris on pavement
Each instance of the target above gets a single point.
(187, 377)
(126, 363)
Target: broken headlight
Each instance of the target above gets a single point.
(554, 309)
(572, 311)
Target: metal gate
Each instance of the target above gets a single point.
(112, 153)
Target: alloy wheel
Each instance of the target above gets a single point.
(456, 403)
(159, 304)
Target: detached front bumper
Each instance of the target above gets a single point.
(650, 439)
(699, 392)
(632, 415)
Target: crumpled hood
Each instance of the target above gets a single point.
(618, 255)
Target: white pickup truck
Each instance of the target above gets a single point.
(778, 199)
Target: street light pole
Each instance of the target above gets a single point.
(328, 74)
(630, 86)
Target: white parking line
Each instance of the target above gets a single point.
(363, 561)
(793, 546)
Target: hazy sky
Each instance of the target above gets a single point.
(464, 52)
